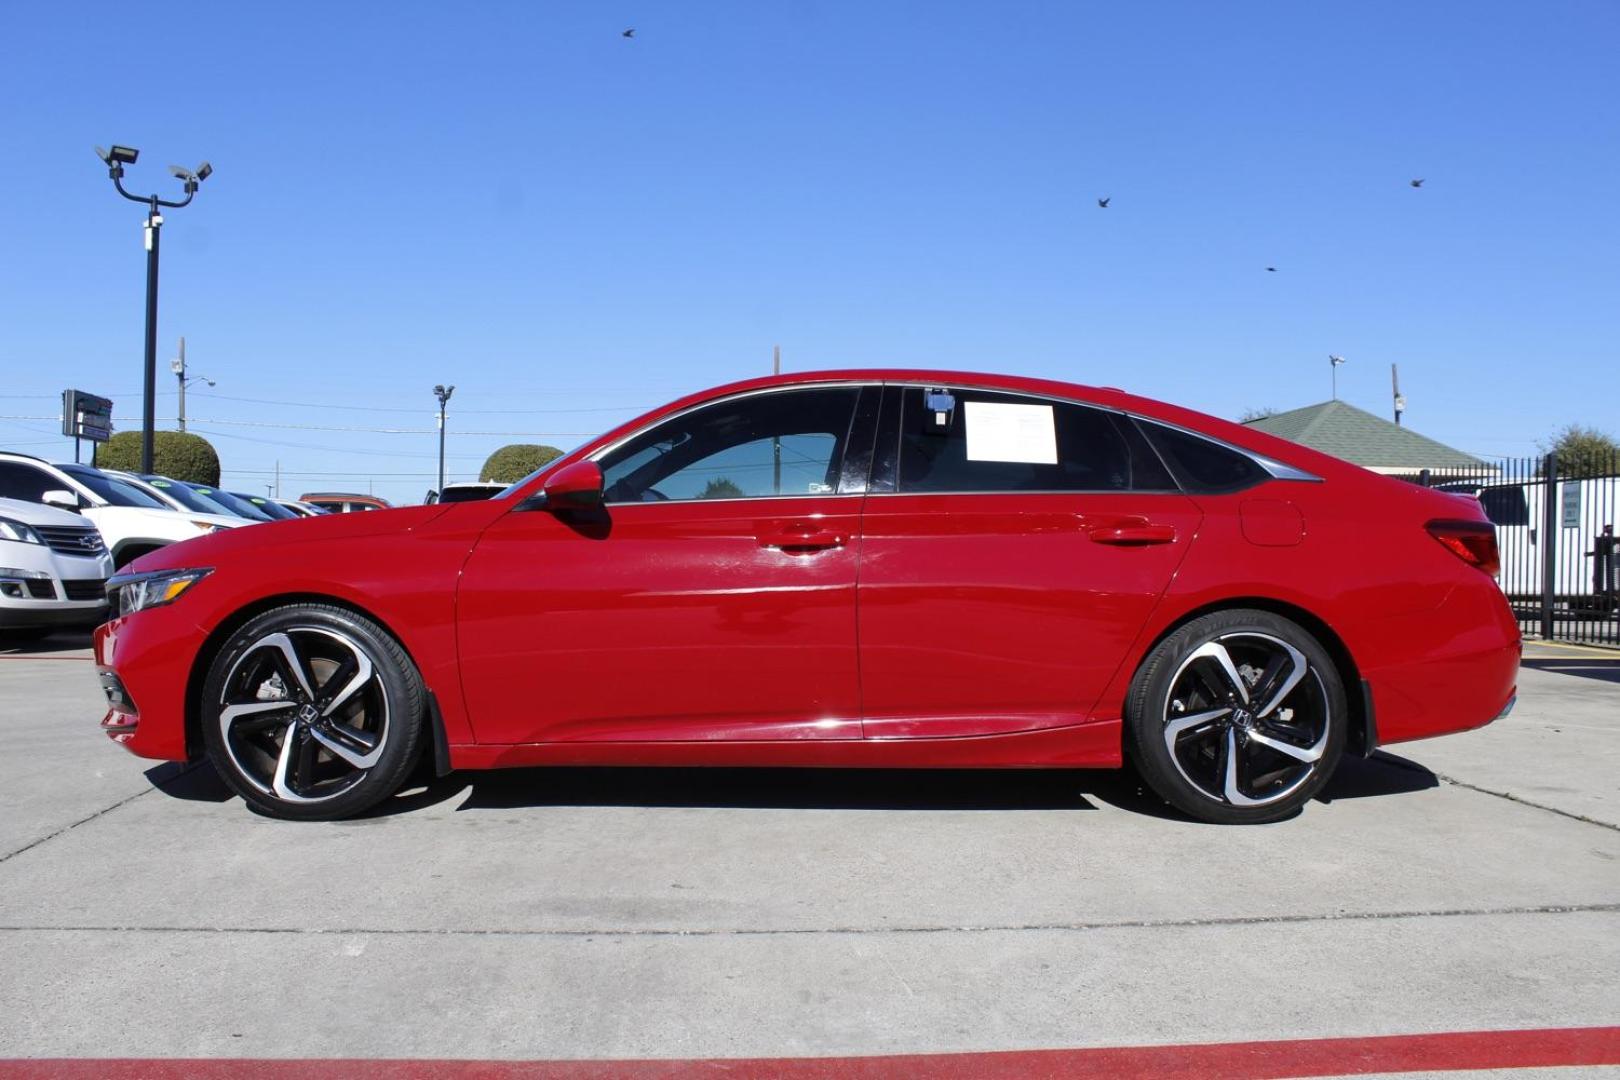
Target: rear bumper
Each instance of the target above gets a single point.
(1467, 678)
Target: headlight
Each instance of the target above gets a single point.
(11, 529)
(129, 593)
(209, 526)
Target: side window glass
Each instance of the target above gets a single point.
(972, 440)
(1204, 466)
(786, 443)
(25, 483)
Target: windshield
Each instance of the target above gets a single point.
(185, 496)
(115, 491)
(468, 494)
(232, 504)
(269, 508)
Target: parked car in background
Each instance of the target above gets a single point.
(466, 491)
(869, 568)
(301, 509)
(131, 521)
(270, 508)
(1586, 572)
(339, 502)
(179, 495)
(53, 569)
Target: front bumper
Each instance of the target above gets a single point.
(34, 614)
(144, 662)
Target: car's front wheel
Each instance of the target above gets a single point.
(1238, 717)
(313, 712)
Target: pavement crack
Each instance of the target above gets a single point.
(613, 932)
(1510, 797)
(82, 821)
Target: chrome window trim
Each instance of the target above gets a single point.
(831, 384)
(1276, 469)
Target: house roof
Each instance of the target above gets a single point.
(1358, 436)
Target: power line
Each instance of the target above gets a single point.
(331, 427)
(395, 409)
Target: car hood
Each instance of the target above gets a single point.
(219, 547)
(160, 523)
(39, 514)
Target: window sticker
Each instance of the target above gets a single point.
(997, 431)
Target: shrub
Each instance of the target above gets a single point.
(178, 454)
(512, 463)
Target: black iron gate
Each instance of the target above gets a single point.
(1555, 529)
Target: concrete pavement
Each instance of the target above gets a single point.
(1470, 882)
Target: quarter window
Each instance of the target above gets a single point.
(789, 443)
(973, 440)
(1204, 466)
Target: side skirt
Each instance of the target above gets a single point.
(1095, 745)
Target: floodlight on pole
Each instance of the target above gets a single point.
(443, 394)
(115, 158)
(1335, 361)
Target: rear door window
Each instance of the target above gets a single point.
(956, 440)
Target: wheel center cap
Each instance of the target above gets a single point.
(307, 715)
(1242, 718)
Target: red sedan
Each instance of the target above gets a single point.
(861, 568)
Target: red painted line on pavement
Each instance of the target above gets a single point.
(1458, 1050)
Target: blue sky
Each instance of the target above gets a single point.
(571, 226)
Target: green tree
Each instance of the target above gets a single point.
(1584, 451)
(720, 488)
(512, 463)
(177, 454)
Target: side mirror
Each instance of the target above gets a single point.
(64, 500)
(573, 487)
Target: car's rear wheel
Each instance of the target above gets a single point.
(1238, 717)
(313, 712)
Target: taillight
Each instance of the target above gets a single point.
(1474, 542)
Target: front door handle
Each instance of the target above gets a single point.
(800, 538)
(1133, 535)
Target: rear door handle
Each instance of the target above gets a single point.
(1132, 535)
(800, 537)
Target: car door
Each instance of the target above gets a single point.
(1012, 547)
(712, 596)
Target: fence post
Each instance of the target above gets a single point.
(1549, 543)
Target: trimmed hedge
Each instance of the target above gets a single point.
(512, 463)
(177, 454)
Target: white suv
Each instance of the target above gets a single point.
(131, 522)
(53, 569)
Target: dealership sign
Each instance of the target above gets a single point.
(85, 416)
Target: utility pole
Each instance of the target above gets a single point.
(1335, 361)
(115, 159)
(278, 478)
(178, 366)
(443, 394)
(1395, 388)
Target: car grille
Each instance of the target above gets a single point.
(88, 589)
(40, 590)
(71, 539)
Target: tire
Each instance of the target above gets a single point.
(334, 684)
(1254, 709)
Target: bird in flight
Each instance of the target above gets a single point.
(1417, 183)
(629, 33)
(1104, 202)
(1271, 269)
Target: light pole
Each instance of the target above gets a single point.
(178, 366)
(115, 160)
(443, 394)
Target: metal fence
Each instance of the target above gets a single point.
(1555, 529)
